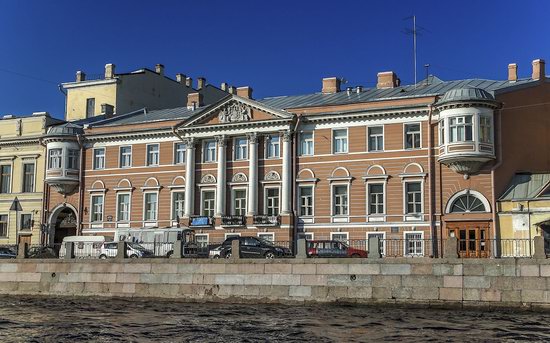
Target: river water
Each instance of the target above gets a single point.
(30, 319)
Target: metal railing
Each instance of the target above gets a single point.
(233, 220)
(265, 220)
(407, 247)
(516, 248)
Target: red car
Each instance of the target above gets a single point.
(328, 248)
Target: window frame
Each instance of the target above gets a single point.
(94, 220)
(312, 139)
(332, 234)
(7, 225)
(202, 235)
(333, 202)
(406, 200)
(213, 209)
(266, 193)
(334, 152)
(405, 250)
(481, 118)
(272, 234)
(88, 101)
(10, 178)
(312, 205)
(405, 134)
(464, 125)
(117, 219)
(205, 151)
(234, 198)
(23, 184)
(148, 153)
(94, 156)
(69, 158)
(60, 158)
(269, 143)
(145, 219)
(172, 204)
(369, 149)
(121, 155)
(176, 153)
(383, 184)
(240, 151)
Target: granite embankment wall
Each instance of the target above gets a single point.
(413, 281)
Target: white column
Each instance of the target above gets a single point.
(286, 177)
(252, 174)
(221, 183)
(189, 176)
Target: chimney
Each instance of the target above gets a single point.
(189, 82)
(194, 100)
(348, 90)
(331, 85)
(512, 72)
(359, 89)
(107, 110)
(538, 70)
(387, 79)
(224, 86)
(245, 92)
(201, 82)
(159, 69)
(80, 76)
(109, 71)
(180, 78)
(232, 90)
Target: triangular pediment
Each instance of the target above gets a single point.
(236, 109)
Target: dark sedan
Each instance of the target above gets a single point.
(253, 247)
(7, 252)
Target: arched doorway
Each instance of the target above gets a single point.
(63, 223)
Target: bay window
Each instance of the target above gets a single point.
(485, 129)
(54, 160)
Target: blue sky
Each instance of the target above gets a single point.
(277, 47)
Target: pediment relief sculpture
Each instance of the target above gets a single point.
(235, 112)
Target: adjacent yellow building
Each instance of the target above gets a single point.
(22, 158)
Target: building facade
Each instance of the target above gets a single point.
(414, 163)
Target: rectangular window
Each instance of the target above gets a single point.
(306, 201)
(340, 200)
(28, 177)
(340, 141)
(5, 178)
(153, 155)
(414, 243)
(241, 148)
(272, 201)
(239, 202)
(99, 158)
(90, 107)
(273, 146)
(179, 153)
(151, 200)
(485, 129)
(308, 236)
(339, 236)
(412, 136)
(376, 198)
(178, 205)
(54, 159)
(209, 153)
(460, 129)
(414, 197)
(306, 144)
(72, 159)
(125, 159)
(376, 138)
(26, 222)
(208, 203)
(97, 208)
(3, 225)
(202, 240)
(123, 207)
(442, 132)
(268, 236)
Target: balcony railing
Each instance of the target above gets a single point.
(233, 220)
(201, 221)
(264, 220)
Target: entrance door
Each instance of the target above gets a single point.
(546, 235)
(473, 239)
(25, 239)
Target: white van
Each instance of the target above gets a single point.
(84, 246)
(159, 240)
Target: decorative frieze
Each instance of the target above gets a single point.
(235, 112)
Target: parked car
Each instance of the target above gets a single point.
(133, 250)
(7, 252)
(215, 252)
(41, 252)
(329, 248)
(254, 247)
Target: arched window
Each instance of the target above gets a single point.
(467, 203)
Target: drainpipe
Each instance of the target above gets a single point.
(81, 185)
(45, 196)
(294, 174)
(431, 183)
(60, 86)
(498, 143)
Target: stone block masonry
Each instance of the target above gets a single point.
(408, 281)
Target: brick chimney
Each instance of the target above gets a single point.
(107, 110)
(538, 70)
(189, 82)
(201, 83)
(232, 90)
(224, 87)
(159, 69)
(387, 79)
(331, 85)
(512, 72)
(194, 100)
(80, 76)
(180, 78)
(109, 71)
(245, 92)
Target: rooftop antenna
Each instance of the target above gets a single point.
(414, 32)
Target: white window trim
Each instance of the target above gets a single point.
(235, 147)
(204, 154)
(175, 150)
(225, 235)
(207, 235)
(93, 158)
(340, 217)
(405, 243)
(21, 221)
(202, 202)
(97, 223)
(405, 135)
(23, 175)
(149, 222)
(309, 233)
(383, 138)
(60, 161)
(241, 188)
(332, 140)
(300, 152)
(172, 191)
(8, 222)
(384, 184)
(369, 233)
(339, 233)
(418, 216)
(312, 186)
(120, 156)
(266, 147)
(147, 155)
(272, 234)
(271, 186)
(117, 220)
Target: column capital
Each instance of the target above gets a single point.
(221, 140)
(190, 142)
(252, 137)
(286, 135)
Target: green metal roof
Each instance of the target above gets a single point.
(525, 186)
